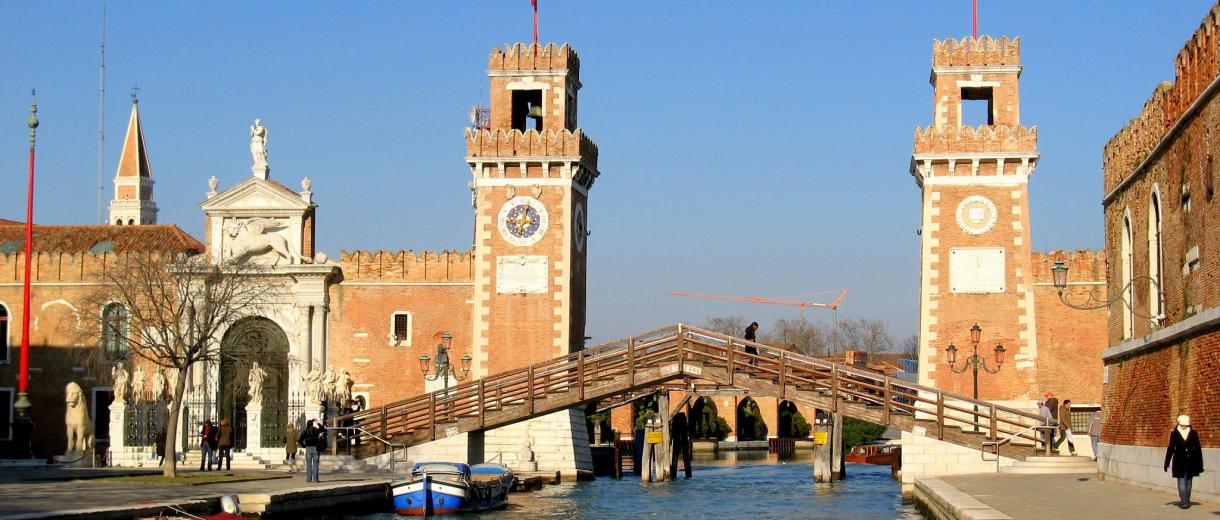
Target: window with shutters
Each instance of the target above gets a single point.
(400, 329)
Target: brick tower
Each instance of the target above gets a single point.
(975, 250)
(532, 170)
(133, 183)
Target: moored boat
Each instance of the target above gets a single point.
(880, 454)
(441, 488)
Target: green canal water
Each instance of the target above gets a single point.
(747, 485)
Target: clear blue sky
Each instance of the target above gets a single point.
(756, 148)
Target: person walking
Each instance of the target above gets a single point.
(313, 439)
(752, 336)
(224, 441)
(1186, 455)
(161, 446)
(1065, 427)
(205, 445)
(1048, 434)
(290, 444)
(1095, 431)
(1052, 403)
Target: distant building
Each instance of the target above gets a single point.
(1161, 231)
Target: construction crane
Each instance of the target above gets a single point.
(800, 304)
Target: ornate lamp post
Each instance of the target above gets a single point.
(444, 369)
(975, 362)
(23, 426)
(1059, 273)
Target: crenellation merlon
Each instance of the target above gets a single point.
(1084, 265)
(407, 266)
(972, 52)
(527, 57)
(505, 144)
(985, 138)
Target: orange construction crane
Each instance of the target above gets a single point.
(800, 304)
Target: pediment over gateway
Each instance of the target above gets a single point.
(255, 194)
(260, 220)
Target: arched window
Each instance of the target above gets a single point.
(114, 330)
(3, 333)
(1125, 259)
(1155, 304)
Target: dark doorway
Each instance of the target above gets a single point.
(248, 340)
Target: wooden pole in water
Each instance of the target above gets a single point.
(821, 450)
(838, 468)
(664, 458)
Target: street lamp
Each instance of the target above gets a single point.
(1059, 275)
(444, 369)
(974, 362)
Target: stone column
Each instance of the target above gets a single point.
(254, 426)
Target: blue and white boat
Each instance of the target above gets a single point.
(443, 488)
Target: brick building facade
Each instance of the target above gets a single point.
(1160, 214)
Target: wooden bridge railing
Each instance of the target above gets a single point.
(682, 351)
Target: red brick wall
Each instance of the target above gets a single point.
(1147, 392)
(1070, 341)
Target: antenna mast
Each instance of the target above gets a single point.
(101, 116)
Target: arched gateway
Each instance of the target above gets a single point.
(254, 339)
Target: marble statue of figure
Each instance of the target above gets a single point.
(172, 381)
(120, 376)
(258, 143)
(253, 237)
(328, 384)
(158, 385)
(137, 385)
(343, 387)
(257, 375)
(313, 385)
(76, 419)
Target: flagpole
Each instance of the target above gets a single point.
(535, 2)
(975, 4)
(22, 425)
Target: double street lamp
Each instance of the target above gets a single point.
(975, 362)
(444, 369)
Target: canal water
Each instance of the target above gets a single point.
(748, 485)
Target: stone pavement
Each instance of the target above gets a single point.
(1074, 496)
(30, 493)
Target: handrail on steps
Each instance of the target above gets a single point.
(997, 443)
(393, 448)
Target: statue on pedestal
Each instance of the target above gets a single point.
(76, 418)
(257, 375)
(328, 385)
(172, 381)
(158, 385)
(258, 144)
(313, 386)
(343, 387)
(137, 385)
(120, 376)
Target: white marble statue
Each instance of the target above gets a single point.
(257, 375)
(253, 237)
(76, 419)
(158, 385)
(172, 381)
(343, 387)
(328, 384)
(137, 385)
(120, 376)
(313, 386)
(258, 144)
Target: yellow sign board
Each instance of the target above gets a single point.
(820, 437)
(653, 437)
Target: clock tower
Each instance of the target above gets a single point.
(532, 170)
(975, 253)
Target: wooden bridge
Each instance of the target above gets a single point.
(683, 352)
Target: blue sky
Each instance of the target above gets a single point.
(755, 148)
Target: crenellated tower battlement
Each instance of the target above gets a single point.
(407, 266)
(983, 51)
(534, 57)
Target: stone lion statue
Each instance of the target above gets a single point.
(76, 418)
(252, 238)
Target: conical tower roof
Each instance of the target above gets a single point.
(134, 160)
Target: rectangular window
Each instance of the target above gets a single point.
(527, 110)
(7, 396)
(977, 107)
(400, 329)
(102, 397)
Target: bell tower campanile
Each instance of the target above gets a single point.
(532, 170)
(975, 256)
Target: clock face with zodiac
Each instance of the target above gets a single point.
(522, 221)
(976, 214)
(579, 228)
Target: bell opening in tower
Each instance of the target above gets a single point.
(977, 106)
(527, 109)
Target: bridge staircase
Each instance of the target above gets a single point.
(684, 353)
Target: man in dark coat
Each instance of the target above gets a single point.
(224, 439)
(1186, 455)
(206, 433)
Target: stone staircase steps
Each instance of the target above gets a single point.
(1045, 465)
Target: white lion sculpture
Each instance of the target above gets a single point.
(76, 418)
(251, 238)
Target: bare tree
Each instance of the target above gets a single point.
(727, 325)
(800, 334)
(175, 308)
(910, 346)
(863, 335)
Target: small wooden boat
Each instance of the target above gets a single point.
(880, 454)
(442, 488)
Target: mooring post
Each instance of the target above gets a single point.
(821, 447)
(838, 469)
(664, 458)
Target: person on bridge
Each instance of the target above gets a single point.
(1065, 427)
(751, 335)
(1186, 454)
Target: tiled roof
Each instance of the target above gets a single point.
(97, 239)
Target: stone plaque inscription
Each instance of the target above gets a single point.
(521, 274)
(977, 270)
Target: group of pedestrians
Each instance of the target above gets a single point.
(1059, 416)
(216, 446)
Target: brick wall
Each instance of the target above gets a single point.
(1070, 341)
